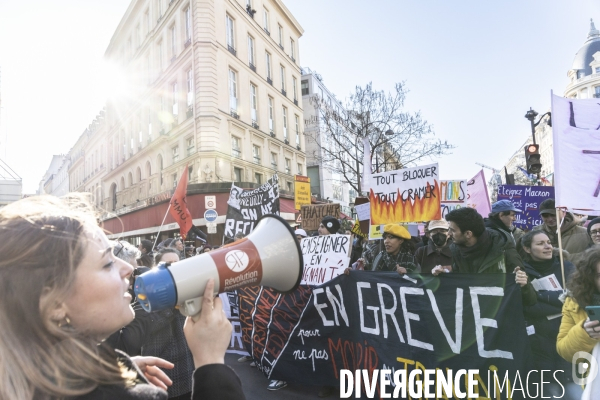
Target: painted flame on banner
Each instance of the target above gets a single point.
(421, 209)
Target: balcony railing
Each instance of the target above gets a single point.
(267, 31)
(236, 153)
(256, 160)
(269, 81)
(295, 102)
(231, 50)
(187, 43)
(597, 95)
(252, 67)
(234, 114)
(283, 92)
(255, 124)
(189, 113)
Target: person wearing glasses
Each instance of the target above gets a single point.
(58, 305)
(575, 238)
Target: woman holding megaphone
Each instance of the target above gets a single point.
(62, 292)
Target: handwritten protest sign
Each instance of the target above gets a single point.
(527, 199)
(247, 206)
(477, 195)
(453, 195)
(405, 195)
(325, 257)
(576, 136)
(357, 231)
(314, 214)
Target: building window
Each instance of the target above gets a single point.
(293, 49)
(294, 88)
(232, 91)
(138, 36)
(268, 66)
(188, 25)
(300, 169)
(190, 173)
(274, 160)
(297, 126)
(266, 21)
(256, 153)
(160, 56)
(253, 105)
(304, 87)
(284, 114)
(147, 18)
(321, 91)
(140, 130)
(190, 145)
(597, 70)
(235, 147)
(251, 52)
(173, 42)
(230, 35)
(190, 89)
(289, 186)
(271, 116)
(175, 154)
(159, 8)
(258, 178)
(580, 74)
(149, 126)
(597, 91)
(288, 166)
(175, 103)
(237, 174)
(175, 180)
(282, 71)
(280, 30)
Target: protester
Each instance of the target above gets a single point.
(61, 296)
(437, 251)
(329, 226)
(477, 249)
(300, 234)
(574, 238)
(189, 251)
(160, 334)
(238, 236)
(502, 217)
(145, 260)
(593, 230)
(128, 253)
(539, 261)
(145, 247)
(398, 255)
(577, 332)
(177, 244)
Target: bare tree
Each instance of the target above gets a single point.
(397, 138)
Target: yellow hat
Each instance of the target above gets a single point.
(396, 230)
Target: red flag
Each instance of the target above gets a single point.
(178, 208)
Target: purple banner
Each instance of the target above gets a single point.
(528, 199)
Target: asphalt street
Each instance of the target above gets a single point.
(255, 384)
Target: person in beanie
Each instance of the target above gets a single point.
(575, 238)
(329, 226)
(502, 217)
(398, 255)
(437, 251)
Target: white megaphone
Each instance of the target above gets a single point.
(270, 256)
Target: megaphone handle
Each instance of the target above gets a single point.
(192, 308)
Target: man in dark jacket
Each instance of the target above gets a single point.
(574, 238)
(437, 251)
(502, 217)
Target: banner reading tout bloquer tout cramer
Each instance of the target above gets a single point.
(377, 320)
(405, 195)
(247, 206)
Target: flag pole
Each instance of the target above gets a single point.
(560, 252)
(160, 227)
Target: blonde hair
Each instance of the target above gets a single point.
(42, 241)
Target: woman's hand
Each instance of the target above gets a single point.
(151, 368)
(400, 270)
(520, 277)
(438, 269)
(360, 264)
(592, 328)
(347, 271)
(208, 337)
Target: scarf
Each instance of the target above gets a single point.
(544, 267)
(478, 249)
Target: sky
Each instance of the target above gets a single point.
(473, 67)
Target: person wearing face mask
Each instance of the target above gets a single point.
(502, 217)
(544, 317)
(437, 251)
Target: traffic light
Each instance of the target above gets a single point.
(533, 158)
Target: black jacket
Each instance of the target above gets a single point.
(430, 256)
(543, 341)
(213, 381)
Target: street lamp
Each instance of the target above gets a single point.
(531, 114)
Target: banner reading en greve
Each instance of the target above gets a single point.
(379, 321)
(325, 257)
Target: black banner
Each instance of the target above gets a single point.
(378, 320)
(247, 206)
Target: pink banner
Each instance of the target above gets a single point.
(477, 195)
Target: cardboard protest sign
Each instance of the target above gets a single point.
(357, 231)
(527, 199)
(405, 195)
(325, 257)
(576, 137)
(247, 206)
(376, 320)
(453, 195)
(313, 215)
(477, 195)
